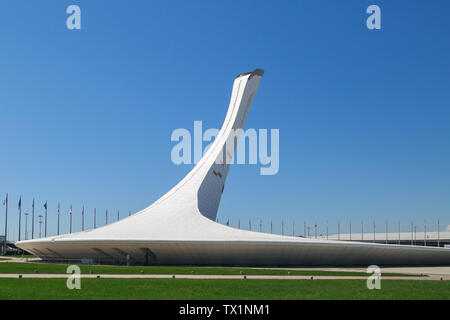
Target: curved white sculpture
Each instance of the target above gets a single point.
(180, 227)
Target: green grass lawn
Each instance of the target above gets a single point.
(167, 289)
(5, 259)
(17, 267)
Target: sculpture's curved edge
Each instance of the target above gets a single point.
(259, 72)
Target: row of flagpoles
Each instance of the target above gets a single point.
(307, 234)
(305, 227)
(45, 206)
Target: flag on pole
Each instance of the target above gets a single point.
(58, 209)
(45, 205)
(20, 202)
(315, 229)
(5, 202)
(82, 211)
(70, 209)
(228, 222)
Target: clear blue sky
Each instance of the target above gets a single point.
(364, 116)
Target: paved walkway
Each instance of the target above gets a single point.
(189, 276)
(10, 259)
(434, 273)
(406, 270)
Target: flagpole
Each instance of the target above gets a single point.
(82, 220)
(374, 227)
(327, 229)
(439, 224)
(32, 222)
(425, 231)
(6, 225)
(95, 218)
(362, 230)
(386, 232)
(350, 229)
(118, 216)
(59, 208)
(415, 234)
(315, 229)
(20, 214)
(304, 229)
(339, 230)
(40, 225)
(45, 225)
(106, 216)
(26, 224)
(70, 219)
(412, 233)
(399, 232)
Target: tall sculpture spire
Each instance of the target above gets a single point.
(204, 184)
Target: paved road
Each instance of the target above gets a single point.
(189, 276)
